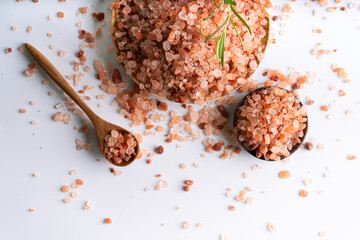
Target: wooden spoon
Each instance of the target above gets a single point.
(264, 41)
(253, 151)
(102, 127)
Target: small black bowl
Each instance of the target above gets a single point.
(253, 151)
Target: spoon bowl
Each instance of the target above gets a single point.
(253, 151)
(102, 127)
(265, 40)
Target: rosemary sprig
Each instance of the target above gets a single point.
(220, 48)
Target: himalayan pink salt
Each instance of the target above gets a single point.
(271, 121)
(119, 147)
(160, 44)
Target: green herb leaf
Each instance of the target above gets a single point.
(210, 38)
(241, 19)
(220, 48)
(222, 25)
(232, 2)
(242, 44)
(217, 9)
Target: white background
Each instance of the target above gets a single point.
(137, 214)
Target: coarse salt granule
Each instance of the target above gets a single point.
(30, 29)
(284, 174)
(186, 225)
(223, 237)
(88, 205)
(352, 5)
(199, 225)
(249, 200)
(308, 182)
(272, 227)
(303, 193)
(74, 194)
(107, 221)
(62, 53)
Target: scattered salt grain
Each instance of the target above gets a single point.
(308, 182)
(163, 183)
(88, 205)
(74, 194)
(186, 225)
(30, 29)
(272, 227)
(249, 200)
(303, 193)
(62, 53)
(199, 225)
(223, 237)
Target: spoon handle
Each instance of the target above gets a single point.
(60, 80)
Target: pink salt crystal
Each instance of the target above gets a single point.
(126, 10)
(29, 72)
(59, 117)
(62, 53)
(99, 66)
(324, 3)
(114, 133)
(253, 65)
(295, 124)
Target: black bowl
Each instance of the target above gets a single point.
(253, 151)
